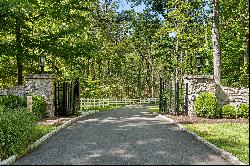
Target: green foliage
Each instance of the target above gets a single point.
(12, 102)
(243, 111)
(228, 111)
(39, 106)
(121, 54)
(234, 36)
(232, 137)
(16, 130)
(206, 105)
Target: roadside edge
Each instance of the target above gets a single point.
(224, 154)
(13, 158)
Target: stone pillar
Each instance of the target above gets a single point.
(42, 85)
(196, 85)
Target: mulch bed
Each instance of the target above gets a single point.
(194, 119)
(55, 121)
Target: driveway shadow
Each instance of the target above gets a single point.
(122, 137)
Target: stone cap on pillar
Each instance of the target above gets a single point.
(41, 76)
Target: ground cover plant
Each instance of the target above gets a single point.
(18, 129)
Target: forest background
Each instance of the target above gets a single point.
(118, 49)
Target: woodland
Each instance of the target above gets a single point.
(122, 53)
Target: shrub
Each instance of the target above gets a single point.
(16, 131)
(243, 111)
(12, 101)
(2, 108)
(228, 111)
(39, 106)
(206, 105)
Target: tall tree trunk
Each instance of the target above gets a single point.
(246, 55)
(147, 89)
(139, 81)
(152, 82)
(216, 41)
(19, 53)
(176, 56)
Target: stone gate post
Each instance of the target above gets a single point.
(42, 85)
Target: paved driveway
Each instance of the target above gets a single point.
(122, 137)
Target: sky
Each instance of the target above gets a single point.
(126, 6)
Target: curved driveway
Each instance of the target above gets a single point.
(125, 136)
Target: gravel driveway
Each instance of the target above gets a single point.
(125, 136)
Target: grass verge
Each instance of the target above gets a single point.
(232, 137)
(153, 109)
(40, 131)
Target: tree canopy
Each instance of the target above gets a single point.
(121, 53)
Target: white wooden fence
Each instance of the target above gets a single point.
(93, 103)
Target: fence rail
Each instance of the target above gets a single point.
(92, 103)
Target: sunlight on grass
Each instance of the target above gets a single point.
(153, 109)
(42, 129)
(232, 137)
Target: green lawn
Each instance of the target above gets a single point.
(232, 137)
(153, 109)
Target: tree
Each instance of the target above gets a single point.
(216, 41)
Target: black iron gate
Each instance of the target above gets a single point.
(67, 98)
(173, 97)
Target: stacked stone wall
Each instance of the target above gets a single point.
(36, 84)
(225, 95)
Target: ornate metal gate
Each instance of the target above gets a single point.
(173, 97)
(67, 98)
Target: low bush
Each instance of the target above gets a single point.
(243, 111)
(16, 131)
(228, 111)
(206, 105)
(2, 108)
(39, 106)
(13, 102)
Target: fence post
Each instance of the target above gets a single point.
(165, 97)
(186, 99)
(29, 103)
(55, 99)
(160, 103)
(64, 97)
(176, 98)
(170, 95)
